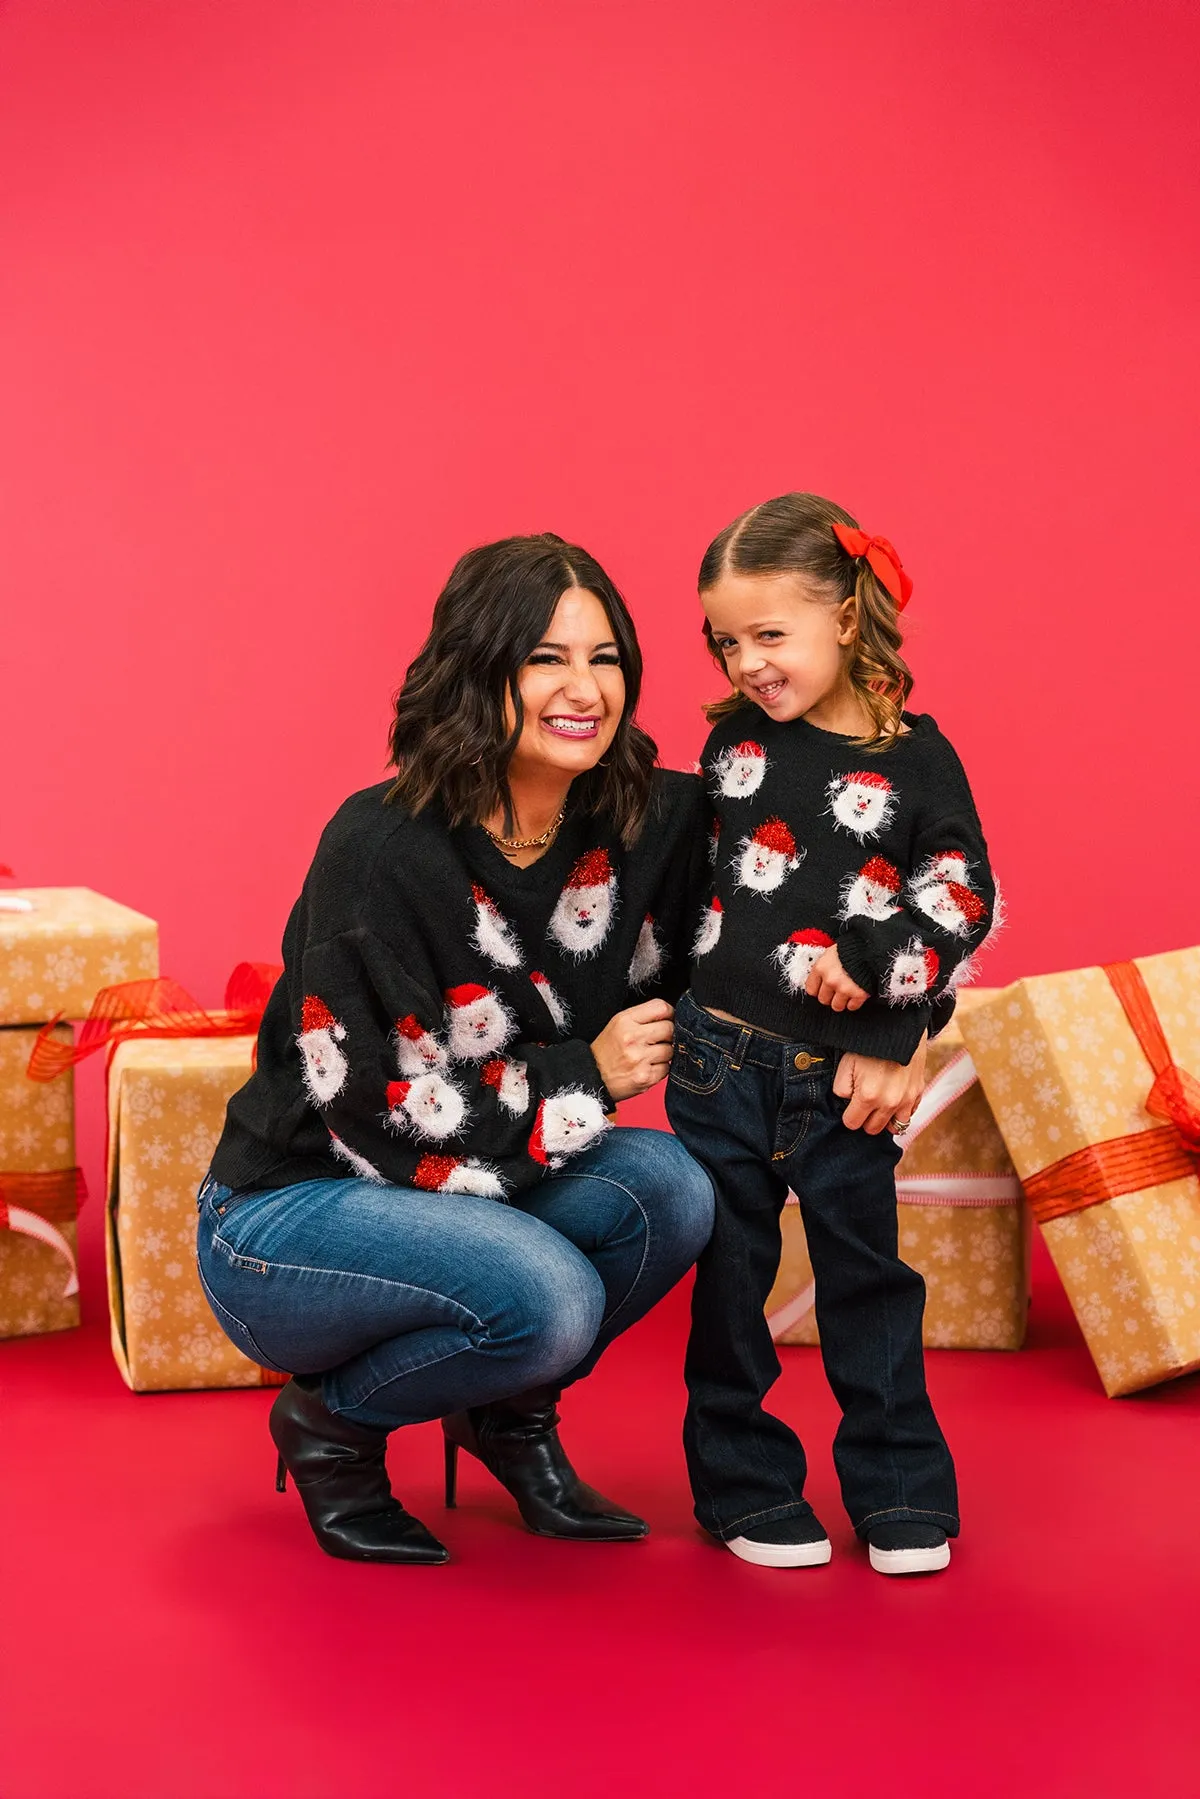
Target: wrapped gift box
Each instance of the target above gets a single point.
(166, 1105)
(37, 1144)
(963, 1223)
(1071, 1063)
(55, 957)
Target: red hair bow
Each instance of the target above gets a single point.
(882, 561)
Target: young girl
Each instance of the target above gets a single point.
(851, 886)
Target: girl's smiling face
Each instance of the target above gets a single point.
(784, 646)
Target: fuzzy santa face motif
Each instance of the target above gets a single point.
(911, 974)
(949, 904)
(947, 865)
(493, 936)
(863, 803)
(647, 956)
(709, 929)
(478, 1023)
(566, 1123)
(768, 857)
(458, 1174)
(556, 1006)
(510, 1081)
(581, 918)
(796, 957)
(320, 1040)
(739, 771)
(872, 892)
(365, 1170)
(433, 1106)
(418, 1051)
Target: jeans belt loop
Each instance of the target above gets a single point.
(743, 1044)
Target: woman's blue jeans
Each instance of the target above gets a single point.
(413, 1304)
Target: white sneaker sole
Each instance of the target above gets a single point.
(781, 1555)
(910, 1561)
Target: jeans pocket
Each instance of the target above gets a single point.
(697, 1066)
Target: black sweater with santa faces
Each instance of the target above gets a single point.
(432, 1024)
(820, 842)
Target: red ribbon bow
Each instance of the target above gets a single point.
(882, 561)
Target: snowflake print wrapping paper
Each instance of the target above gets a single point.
(166, 1107)
(975, 1259)
(37, 1136)
(56, 957)
(1064, 1071)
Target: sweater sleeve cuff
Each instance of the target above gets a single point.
(854, 959)
(943, 1012)
(575, 1066)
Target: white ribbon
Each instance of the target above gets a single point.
(29, 1224)
(948, 1084)
(15, 902)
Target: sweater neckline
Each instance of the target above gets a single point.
(495, 870)
(914, 721)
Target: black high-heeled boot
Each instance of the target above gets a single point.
(339, 1473)
(517, 1441)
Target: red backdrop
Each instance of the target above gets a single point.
(301, 300)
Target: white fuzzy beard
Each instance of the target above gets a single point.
(570, 1121)
(864, 810)
(739, 776)
(512, 1089)
(480, 1029)
(419, 1055)
(946, 867)
(325, 1064)
(554, 1005)
(708, 932)
(935, 900)
(908, 978)
(867, 899)
(433, 1106)
(581, 919)
(647, 956)
(763, 869)
(796, 961)
(352, 1159)
(495, 938)
(473, 1176)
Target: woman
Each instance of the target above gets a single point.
(418, 1206)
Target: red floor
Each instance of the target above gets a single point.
(171, 1632)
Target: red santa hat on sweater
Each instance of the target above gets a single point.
(478, 1022)
(417, 1050)
(948, 903)
(862, 802)
(509, 1079)
(323, 1061)
(458, 1174)
(797, 956)
(579, 923)
(768, 856)
(872, 892)
(740, 769)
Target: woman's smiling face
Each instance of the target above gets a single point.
(572, 691)
(783, 644)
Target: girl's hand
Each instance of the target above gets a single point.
(881, 1094)
(633, 1051)
(829, 982)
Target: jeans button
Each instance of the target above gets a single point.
(804, 1060)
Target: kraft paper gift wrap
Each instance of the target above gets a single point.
(1067, 1076)
(37, 1137)
(974, 1257)
(56, 957)
(166, 1108)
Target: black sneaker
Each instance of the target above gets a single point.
(798, 1542)
(906, 1548)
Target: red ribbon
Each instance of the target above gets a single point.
(882, 560)
(1102, 1171)
(156, 1008)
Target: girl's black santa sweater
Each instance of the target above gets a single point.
(432, 1024)
(817, 842)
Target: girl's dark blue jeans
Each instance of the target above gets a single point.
(761, 1116)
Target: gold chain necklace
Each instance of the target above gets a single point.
(512, 844)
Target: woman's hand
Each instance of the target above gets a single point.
(633, 1051)
(879, 1092)
(829, 982)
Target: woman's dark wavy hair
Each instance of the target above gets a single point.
(449, 740)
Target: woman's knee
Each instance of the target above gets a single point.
(550, 1315)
